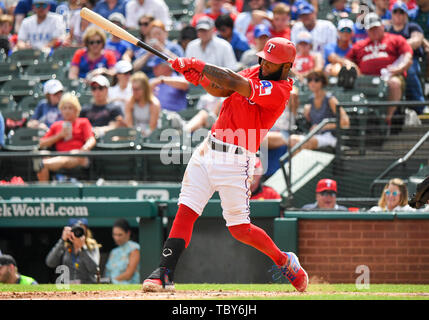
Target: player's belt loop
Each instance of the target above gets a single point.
(224, 148)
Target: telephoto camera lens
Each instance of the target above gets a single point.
(78, 231)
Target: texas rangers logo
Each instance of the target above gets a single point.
(270, 47)
(265, 88)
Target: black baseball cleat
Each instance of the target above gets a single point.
(159, 280)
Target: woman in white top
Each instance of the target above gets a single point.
(121, 92)
(142, 110)
(394, 197)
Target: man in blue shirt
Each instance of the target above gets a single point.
(24, 7)
(103, 7)
(414, 35)
(225, 28)
(123, 49)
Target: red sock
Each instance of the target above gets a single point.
(183, 224)
(259, 239)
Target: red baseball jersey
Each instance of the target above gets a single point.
(304, 63)
(246, 121)
(372, 56)
(81, 131)
(266, 193)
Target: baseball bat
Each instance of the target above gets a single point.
(112, 28)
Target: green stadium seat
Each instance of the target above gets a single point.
(29, 103)
(194, 94)
(73, 85)
(63, 55)
(346, 95)
(120, 138)
(43, 71)
(20, 88)
(7, 102)
(23, 139)
(9, 71)
(27, 57)
(372, 87)
(84, 98)
(188, 113)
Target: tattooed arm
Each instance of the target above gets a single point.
(224, 82)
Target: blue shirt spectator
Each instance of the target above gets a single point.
(119, 48)
(102, 8)
(25, 6)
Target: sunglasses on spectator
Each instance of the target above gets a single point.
(41, 5)
(93, 88)
(143, 23)
(398, 11)
(314, 79)
(95, 42)
(328, 193)
(394, 193)
(346, 30)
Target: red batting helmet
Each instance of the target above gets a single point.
(278, 50)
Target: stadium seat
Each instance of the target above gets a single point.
(73, 85)
(43, 71)
(29, 103)
(372, 87)
(84, 98)
(347, 95)
(63, 55)
(121, 138)
(170, 119)
(194, 94)
(7, 102)
(20, 88)
(27, 57)
(188, 113)
(23, 139)
(9, 71)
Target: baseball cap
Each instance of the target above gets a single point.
(101, 80)
(326, 184)
(205, 23)
(123, 66)
(278, 50)
(372, 20)
(74, 221)
(52, 86)
(345, 23)
(305, 8)
(261, 30)
(117, 17)
(304, 36)
(401, 6)
(6, 260)
(41, 1)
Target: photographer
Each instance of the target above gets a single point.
(78, 251)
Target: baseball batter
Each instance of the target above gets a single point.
(225, 161)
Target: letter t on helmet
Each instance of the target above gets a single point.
(278, 50)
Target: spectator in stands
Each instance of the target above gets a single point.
(93, 59)
(382, 50)
(143, 109)
(120, 93)
(322, 32)
(169, 87)
(322, 105)
(411, 4)
(106, 7)
(78, 251)
(44, 30)
(394, 197)
(158, 39)
(359, 32)
(47, 111)
(335, 53)
(326, 197)
(71, 134)
(306, 60)
(2, 129)
(143, 26)
(187, 34)
(209, 48)
(382, 10)
(6, 26)
(261, 35)
(280, 25)
(414, 35)
(247, 20)
(215, 9)
(68, 10)
(123, 49)
(225, 28)
(122, 266)
(135, 9)
(258, 189)
(340, 8)
(9, 272)
(102, 114)
(23, 9)
(78, 26)
(420, 15)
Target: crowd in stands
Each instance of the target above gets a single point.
(127, 86)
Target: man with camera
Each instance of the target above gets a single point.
(77, 251)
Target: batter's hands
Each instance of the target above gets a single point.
(193, 76)
(185, 64)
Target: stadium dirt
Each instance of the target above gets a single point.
(177, 295)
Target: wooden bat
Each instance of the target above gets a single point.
(112, 28)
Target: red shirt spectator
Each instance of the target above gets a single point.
(411, 4)
(372, 56)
